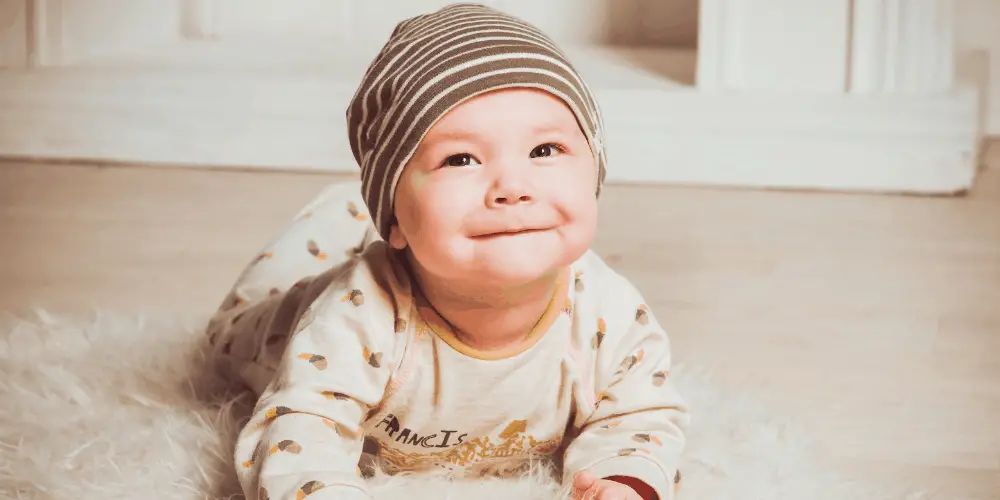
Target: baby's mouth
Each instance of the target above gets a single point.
(509, 232)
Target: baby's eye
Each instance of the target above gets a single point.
(459, 160)
(548, 149)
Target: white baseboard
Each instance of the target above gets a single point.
(659, 130)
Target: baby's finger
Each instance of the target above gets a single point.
(582, 482)
(615, 491)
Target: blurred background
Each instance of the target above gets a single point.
(806, 190)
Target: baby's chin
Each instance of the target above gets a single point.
(517, 262)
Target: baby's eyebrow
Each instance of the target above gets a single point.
(453, 136)
(549, 128)
(461, 135)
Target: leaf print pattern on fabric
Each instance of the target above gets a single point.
(604, 396)
(659, 378)
(602, 328)
(578, 281)
(341, 429)
(628, 358)
(317, 360)
(271, 414)
(642, 315)
(339, 396)
(317, 402)
(624, 452)
(374, 359)
(287, 446)
(253, 457)
(355, 213)
(308, 489)
(568, 307)
(276, 412)
(630, 362)
(356, 297)
(313, 248)
(647, 438)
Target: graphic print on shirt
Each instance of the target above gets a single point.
(456, 449)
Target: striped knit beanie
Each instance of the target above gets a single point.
(434, 62)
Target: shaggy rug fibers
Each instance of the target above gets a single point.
(117, 407)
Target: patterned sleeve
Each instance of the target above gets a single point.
(639, 422)
(304, 438)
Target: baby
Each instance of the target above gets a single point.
(472, 331)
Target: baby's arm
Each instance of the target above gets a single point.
(304, 438)
(637, 431)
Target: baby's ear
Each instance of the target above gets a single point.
(396, 238)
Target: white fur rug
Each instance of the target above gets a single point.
(117, 407)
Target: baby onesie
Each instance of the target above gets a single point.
(356, 355)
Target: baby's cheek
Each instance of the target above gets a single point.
(581, 209)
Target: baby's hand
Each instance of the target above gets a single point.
(587, 486)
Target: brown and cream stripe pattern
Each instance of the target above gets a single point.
(435, 61)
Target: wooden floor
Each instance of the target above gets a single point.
(874, 319)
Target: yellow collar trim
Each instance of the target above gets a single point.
(556, 306)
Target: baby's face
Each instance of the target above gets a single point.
(500, 191)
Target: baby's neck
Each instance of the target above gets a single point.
(487, 318)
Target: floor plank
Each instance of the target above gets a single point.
(873, 319)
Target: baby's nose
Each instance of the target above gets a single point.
(510, 200)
